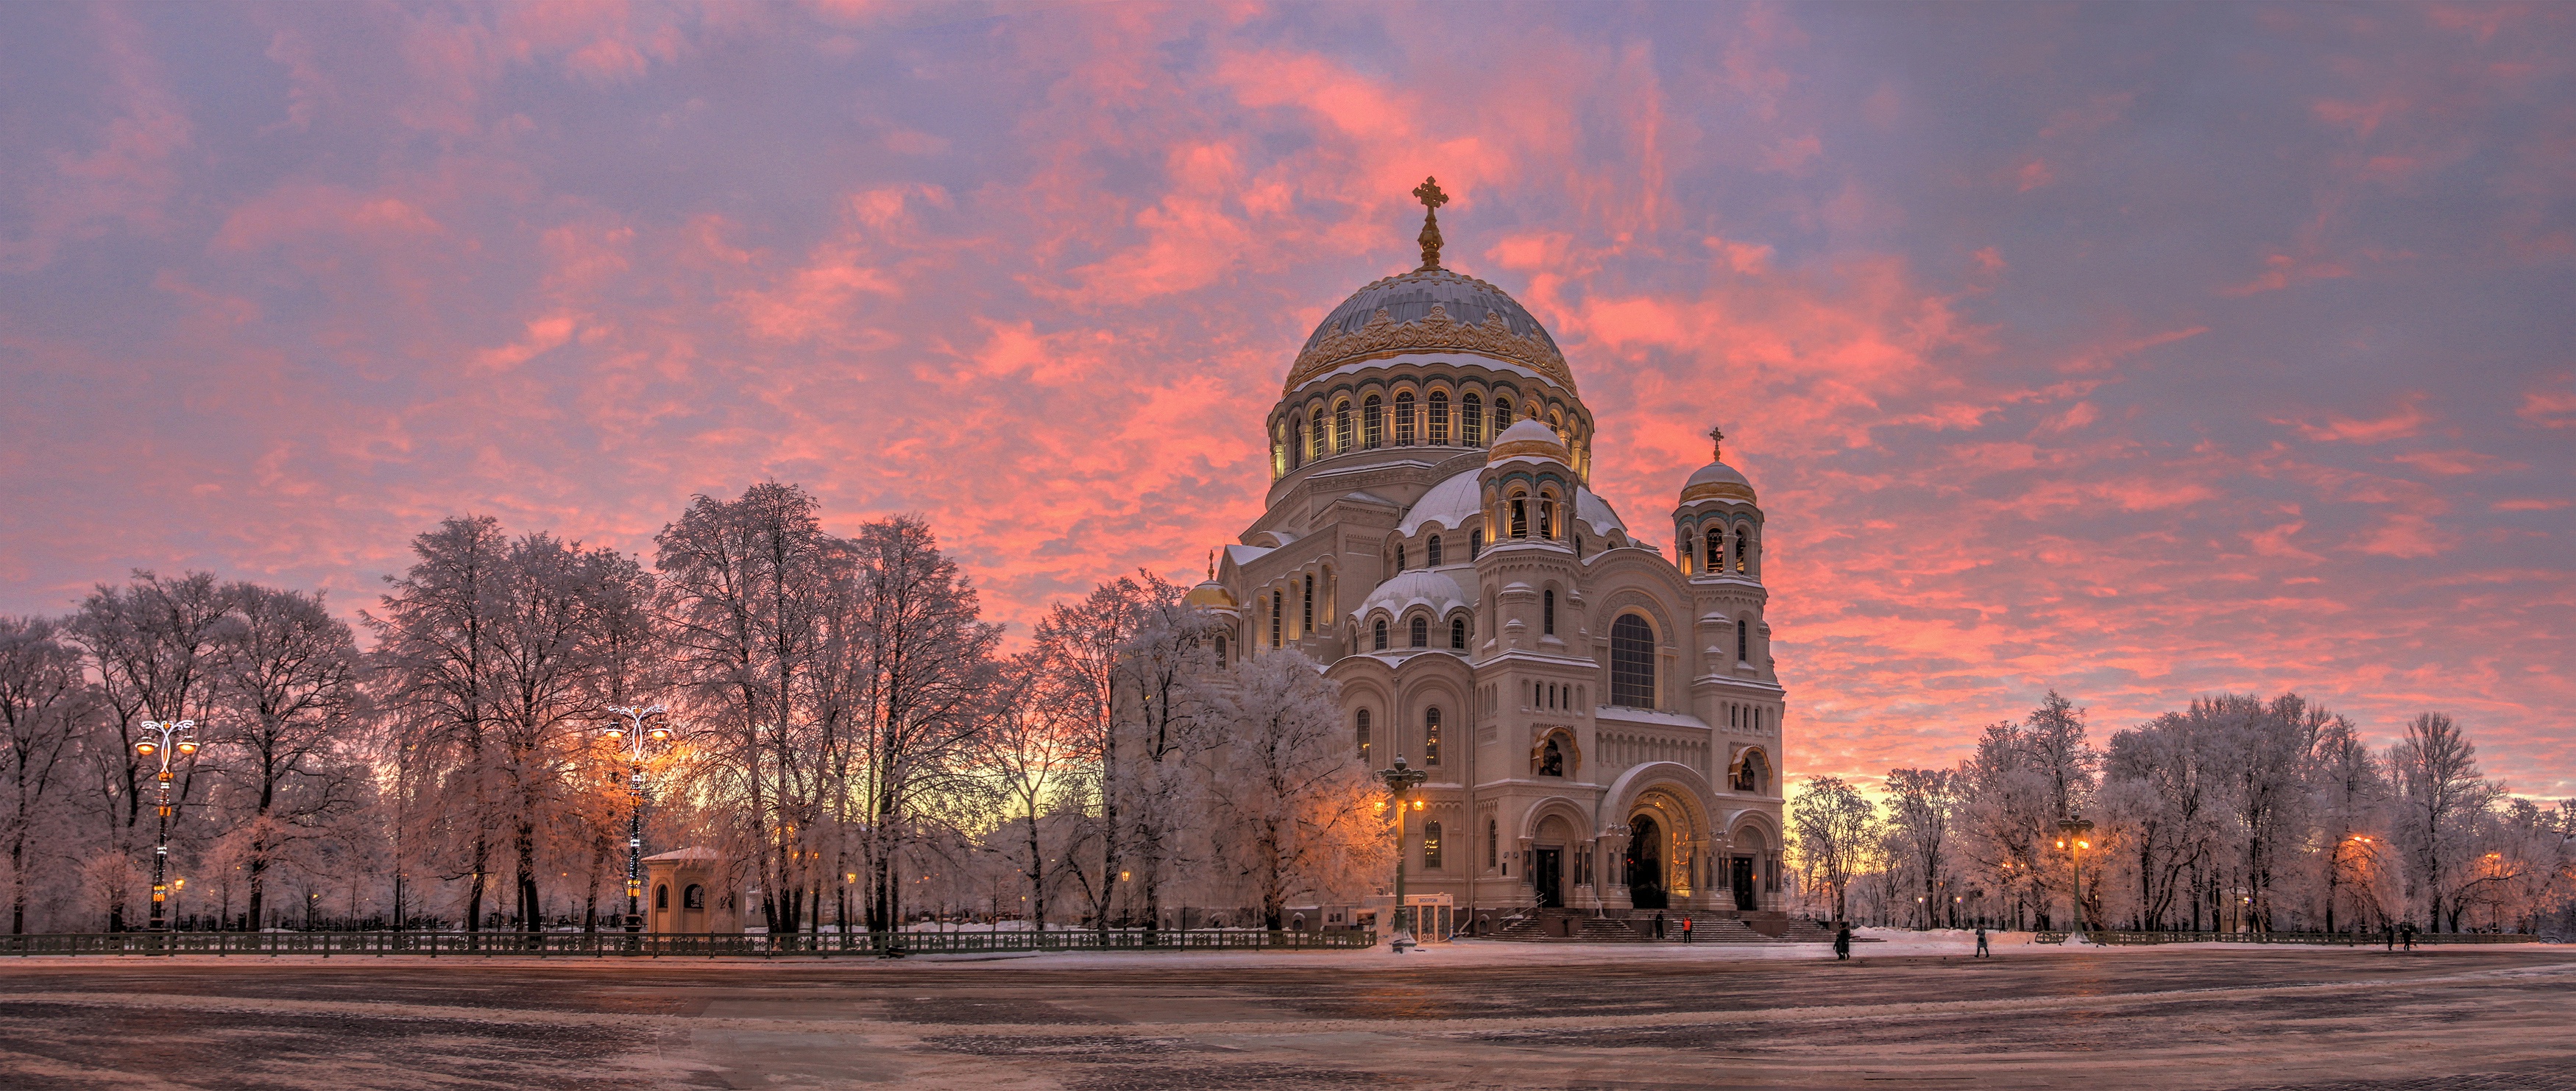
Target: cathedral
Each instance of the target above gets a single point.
(1600, 721)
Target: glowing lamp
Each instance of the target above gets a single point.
(146, 748)
(1417, 804)
(187, 746)
(660, 734)
(614, 733)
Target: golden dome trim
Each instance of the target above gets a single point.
(1717, 490)
(1436, 332)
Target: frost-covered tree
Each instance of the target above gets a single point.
(287, 676)
(1297, 801)
(152, 646)
(2439, 799)
(1837, 830)
(45, 705)
(1920, 807)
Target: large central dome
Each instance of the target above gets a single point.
(1429, 310)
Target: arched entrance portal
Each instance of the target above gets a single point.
(1646, 863)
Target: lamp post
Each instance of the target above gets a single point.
(1400, 781)
(2071, 836)
(634, 737)
(177, 738)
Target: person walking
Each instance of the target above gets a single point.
(1981, 943)
(1842, 944)
(2406, 932)
(1686, 929)
(2392, 935)
(1659, 924)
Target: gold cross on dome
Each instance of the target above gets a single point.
(1429, 194)
(1717, 444)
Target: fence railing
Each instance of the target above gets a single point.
(671, 945)
(2326, 939)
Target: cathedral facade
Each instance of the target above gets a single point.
(1600, 720)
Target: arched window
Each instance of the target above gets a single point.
(661, 896)
(1220, 647)
(1743, 641)
(1749, 773)
(1741, 533)
(1306, 621)
(1476, 543)
(1278, 605)
(1551, 759)
(1431, 552)
(1341, 427)
(1547, 612)
(1547, 517)
(1716, 551)
(1404, 419)
(1399, 557)
(1520, 516)
(1632, 662)
(1439, 418)
(1458, 634)
(1282, 455)
(1430, 736)
(1502, 416)
(1493, 845)
(1316, 446)
(1379, 631)
(1431, 846)
(693, 897)
(1419, 632)
(1372, 423)
(1471, 421)
(1360, 728)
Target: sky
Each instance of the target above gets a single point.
(2137, 351)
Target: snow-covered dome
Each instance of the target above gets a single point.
(1420, 587)
(1591, 509)
(1528, 439)
(1449, 504)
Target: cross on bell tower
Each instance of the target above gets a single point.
(1717, 444)
(1431, 197)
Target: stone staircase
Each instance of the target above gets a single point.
(1632, 926)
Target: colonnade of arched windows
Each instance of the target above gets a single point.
(1410, 417)
(1722, 546)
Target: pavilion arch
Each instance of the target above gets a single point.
(1757, 822)
(1567, 749)
(1668, 778)
(1766, 772)
(1576, 818)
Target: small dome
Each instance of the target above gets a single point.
(1527, 439)
(1590, 508)
(1717, 481)
(1449, 505)
(1418, 587)
(1209, 596)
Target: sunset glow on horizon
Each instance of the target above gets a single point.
(2138, 352)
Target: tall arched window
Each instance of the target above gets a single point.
(1419, 632)
(1716, 551)
(661, 896)
(1741, 533)
(1547, 517)
(1399, 557)
(1431, 552)
(1404, 419)
(1360, 728)
(1458, 634)
(1431, 846)
(1377, 636)
(1547, 612)
(1316, 445)
(1372, 423)
(1743, 641)
(1341, 427)
(1551, 759)
(1306, 620)
(1431, 736)
(1220, 647)
(1471, 421)
(1476, 543)
(1520, 516)
(1439, 418)
(1632, 662)
(1493, 846)
(1278, 606)
(1502, 416)
(1282, 454)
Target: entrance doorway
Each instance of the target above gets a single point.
(1744, 899)
(1646, 863)
(1547, 874)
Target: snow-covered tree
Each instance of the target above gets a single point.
(1301, 808)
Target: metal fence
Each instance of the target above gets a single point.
(2326, 939)
(659, 945)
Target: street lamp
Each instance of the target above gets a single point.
(635, 738)
(2071, 835)
(1399, 781)
(177, 739)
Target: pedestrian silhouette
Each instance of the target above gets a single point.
(1686, 929)
(1981, 943)
(1842, 944)
(1659, 924)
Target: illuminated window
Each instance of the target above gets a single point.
(1439, 418)
(1404, 419)
(1316, 446)
(1342, 427)
(1361, 729)
(1520, 517)
(1431, 737)
(1632, 662)
(1372, 423)
(1716, 550)
(1471, 421)
(1431, 846)
(1502, 416)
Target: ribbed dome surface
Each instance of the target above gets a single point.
(1408, 298)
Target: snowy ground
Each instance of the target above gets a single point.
(1911, 1011)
